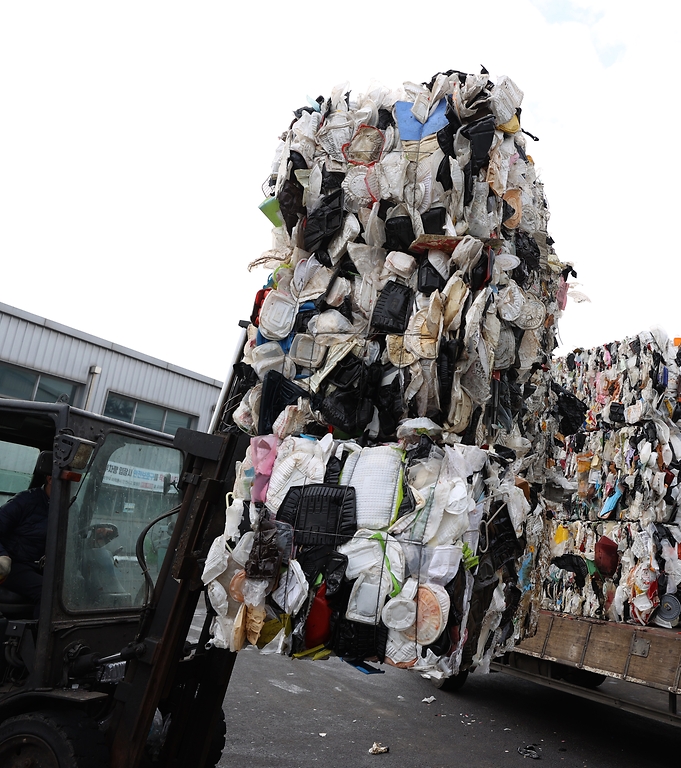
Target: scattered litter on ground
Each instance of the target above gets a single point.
(531, 750)
(378, 749)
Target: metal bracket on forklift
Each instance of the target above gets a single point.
(89, 662)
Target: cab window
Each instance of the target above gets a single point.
(130, 483)
(16, 468)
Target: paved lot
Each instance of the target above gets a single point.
(294, 714)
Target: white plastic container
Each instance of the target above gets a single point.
(367, 597)
(306, 352)
(399, 613)
(277, 315)
(400, 651)
(399, 263)
(270, 356)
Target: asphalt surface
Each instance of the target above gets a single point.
(293, 714)
(289, 713)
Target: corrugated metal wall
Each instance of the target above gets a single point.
(30, 341)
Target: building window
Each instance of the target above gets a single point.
(23, 384)
(146, 414)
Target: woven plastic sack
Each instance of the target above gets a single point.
(376, 474)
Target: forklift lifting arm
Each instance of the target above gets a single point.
(187, 685)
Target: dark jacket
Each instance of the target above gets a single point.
(23, 526)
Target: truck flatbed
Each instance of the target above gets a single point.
(576, 654)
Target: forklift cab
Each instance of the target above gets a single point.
(132, 516)
(110, 481)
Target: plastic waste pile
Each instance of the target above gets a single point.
(614, 538)
(395, 385)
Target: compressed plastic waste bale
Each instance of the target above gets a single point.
(414, 298)
(615, 480)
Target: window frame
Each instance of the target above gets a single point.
(76, 385)
(192, 417)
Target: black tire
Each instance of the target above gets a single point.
(217, 742)
(50, 739)
(451, 684)
(583, 678)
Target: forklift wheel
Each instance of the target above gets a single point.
(52, 739)
(217, 742)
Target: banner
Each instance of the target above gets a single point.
(138, 477)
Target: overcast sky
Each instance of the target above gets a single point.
(135, 137)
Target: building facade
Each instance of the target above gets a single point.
(45, 361)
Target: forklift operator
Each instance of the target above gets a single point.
(23, 534)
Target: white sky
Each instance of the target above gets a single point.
(135, 136)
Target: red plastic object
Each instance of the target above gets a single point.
(318, 625)
(257, 305)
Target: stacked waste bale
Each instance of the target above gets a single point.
(395, 383)
(613, 543)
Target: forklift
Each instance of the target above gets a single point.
(105, 676)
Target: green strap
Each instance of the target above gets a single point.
(470, 560)
(396, 584)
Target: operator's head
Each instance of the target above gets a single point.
(42, 474)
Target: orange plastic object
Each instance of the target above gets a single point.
(235, 586)
(428, 618)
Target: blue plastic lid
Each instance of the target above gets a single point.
(411, 129)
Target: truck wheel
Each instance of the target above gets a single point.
(451, 684)
(49, 739)
(583, 678)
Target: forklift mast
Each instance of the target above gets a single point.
(161, 673)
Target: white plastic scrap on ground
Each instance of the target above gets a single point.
(405, 422)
